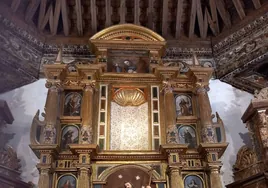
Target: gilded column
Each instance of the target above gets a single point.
(170, 115)
(51, 109)
(175, 177)
(215, 179)
(208, 134)
(84, 178)
(44, 178)
(87, 113)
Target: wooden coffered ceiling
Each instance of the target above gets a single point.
(232, 33)
(173, 19)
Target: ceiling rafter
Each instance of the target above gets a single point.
(165, 18)
(257, 4)
(179, 18)
(31, 9)
(15, 5)
(79, 24)
(239, 8)
(93, 16)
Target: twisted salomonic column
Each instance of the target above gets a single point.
(175, 177)
(170, 115)
(207, 131)
(51, 109)
(87, 113)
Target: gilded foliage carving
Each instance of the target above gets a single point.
(246, 163)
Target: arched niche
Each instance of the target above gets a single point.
(137, 175)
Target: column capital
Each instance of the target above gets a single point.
(53, 84)
(201, 87)
(167, 87)
(89, 85)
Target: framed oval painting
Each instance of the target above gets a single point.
(67, 181)
(193, 181)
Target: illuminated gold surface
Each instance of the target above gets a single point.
(129, 97)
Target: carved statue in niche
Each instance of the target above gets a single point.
(72, 104)
(187, 135)
(193, 181)
(69, 136)
(183, 105)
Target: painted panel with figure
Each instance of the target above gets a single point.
(183, 105)
(72, 104)
(193, 181)
(187, 135)
(69, 135)
(67, 181)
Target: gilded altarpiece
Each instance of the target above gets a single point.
(128, 118)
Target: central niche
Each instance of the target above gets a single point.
(129, 120)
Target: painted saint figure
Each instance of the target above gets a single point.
(73, 104)
(183, 105)
(187, 136)
(69, 136)
(68, 184)
(184, 108)
(192, 184)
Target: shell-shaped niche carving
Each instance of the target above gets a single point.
(129, 97)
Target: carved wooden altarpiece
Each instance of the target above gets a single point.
(128, 117)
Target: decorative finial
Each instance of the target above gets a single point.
(195, 60)
(59, 56)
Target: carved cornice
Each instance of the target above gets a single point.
(241, 35)
(21, 33)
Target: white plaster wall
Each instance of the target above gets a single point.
(24, 103)
(229, 102)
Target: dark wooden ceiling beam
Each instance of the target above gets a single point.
(79, 19)
(214, 26)
(93, 8)
(179, 19)
(257, 4)
(31, 9)
(65, 18)
(42, 12)
(150, 14)
(239, 8)
(201, 20)
(192, 18)
(15, 5)
(108, 5)
(213, 20)
(165, 18)
(122, 11)
(137, 12)
(56, 16)
(223, 13)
